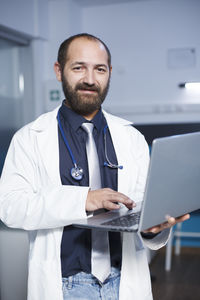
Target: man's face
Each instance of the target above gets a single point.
(86, 76)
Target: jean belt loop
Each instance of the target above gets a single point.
(69, 282)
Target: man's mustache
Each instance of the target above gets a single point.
(87, 87)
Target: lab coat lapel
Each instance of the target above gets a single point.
(121, 144)
(121, 158)
(47, 143)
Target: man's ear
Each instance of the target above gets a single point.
(110, 70)
(57, 70)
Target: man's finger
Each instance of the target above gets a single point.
(173, 221)
(170, 220)
(118, 197)
(110, 205)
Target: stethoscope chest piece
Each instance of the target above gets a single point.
(77, 173)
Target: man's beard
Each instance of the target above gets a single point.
(84, 104)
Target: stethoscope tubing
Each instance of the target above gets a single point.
(65, 140)
(78, 170)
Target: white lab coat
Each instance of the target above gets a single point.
(33, 198)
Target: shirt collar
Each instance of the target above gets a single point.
(75, 120)
(97, 120)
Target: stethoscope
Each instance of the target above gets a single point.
(76, 171)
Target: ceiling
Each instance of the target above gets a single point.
(86, 3)
(102, 2)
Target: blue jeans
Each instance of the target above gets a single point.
(85, 286)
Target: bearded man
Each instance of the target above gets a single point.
(48, 182)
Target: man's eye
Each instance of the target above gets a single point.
(102, 70)
(77, 68)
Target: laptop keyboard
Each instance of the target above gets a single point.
(124, 221)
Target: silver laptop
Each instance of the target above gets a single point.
(172, 187)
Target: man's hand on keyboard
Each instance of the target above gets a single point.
(108, 199)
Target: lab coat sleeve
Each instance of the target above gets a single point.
(28, 201)
(158, 241)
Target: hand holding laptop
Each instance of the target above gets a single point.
(109, 199)
(172, 188)
(168, 224)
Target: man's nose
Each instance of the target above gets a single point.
(89, 77)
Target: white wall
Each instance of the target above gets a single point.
(26, 16)
(65, 18)
(139, 35)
